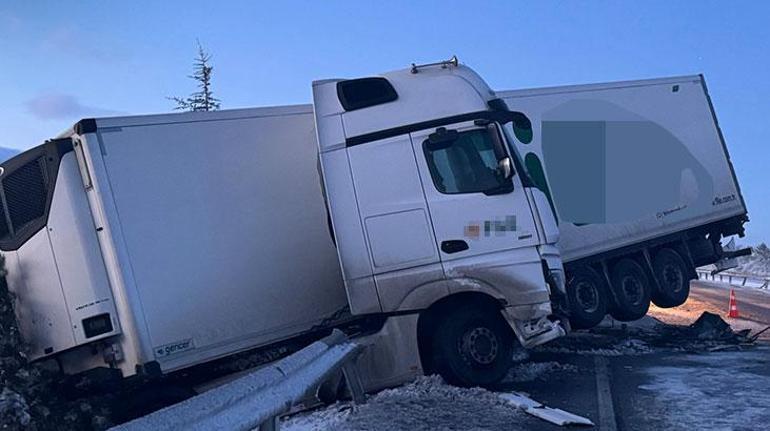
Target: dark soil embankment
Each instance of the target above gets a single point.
(32, 396)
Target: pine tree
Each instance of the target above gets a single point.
(203, 99)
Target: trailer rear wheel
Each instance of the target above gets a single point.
(587, 298)
(472, 346)
(670, 272)
(631, 289)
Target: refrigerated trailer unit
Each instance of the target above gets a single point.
(153, 243)
(640, 179)
(188, 236)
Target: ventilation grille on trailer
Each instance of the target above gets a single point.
(26, 193)
(4, 231)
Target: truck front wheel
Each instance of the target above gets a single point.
(472, 346)
(587, 298)
(631, 289)
(671, 274)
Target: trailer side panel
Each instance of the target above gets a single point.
(628, 162)
(225, 229)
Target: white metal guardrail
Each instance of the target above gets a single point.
(259, 398)
(735, 279)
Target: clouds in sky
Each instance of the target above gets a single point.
(58, 106)
(61, 39)
(68, 40)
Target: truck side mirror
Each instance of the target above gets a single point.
(505, 167)
(504, 162)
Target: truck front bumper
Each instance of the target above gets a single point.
(534, 331)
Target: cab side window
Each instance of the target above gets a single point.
(465, 165)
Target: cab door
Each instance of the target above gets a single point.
(480, 218)
(394, 217)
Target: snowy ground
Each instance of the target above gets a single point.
(658, 390)
(429, 404)
(757, 263)
(426, 404)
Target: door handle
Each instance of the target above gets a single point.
(453, 246)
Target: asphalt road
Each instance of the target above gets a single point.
(753, 304)
(660, 390)
(634, 377)
(665, 389)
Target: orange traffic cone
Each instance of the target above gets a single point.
(733, 313)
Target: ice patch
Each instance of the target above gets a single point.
(686, 397)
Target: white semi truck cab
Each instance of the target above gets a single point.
(430, 200)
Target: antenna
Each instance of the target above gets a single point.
(444, 64)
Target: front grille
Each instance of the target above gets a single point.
(26, 193)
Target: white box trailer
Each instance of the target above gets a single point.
(153, 243)
(642, 185)
(191, 234)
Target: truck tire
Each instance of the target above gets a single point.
(588, 299)
(472, 346)
(631, 289)
(670, 272)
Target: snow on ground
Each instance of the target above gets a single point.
(757, 263)
(426, 404)
(720, 391)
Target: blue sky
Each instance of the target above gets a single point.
(64, 60)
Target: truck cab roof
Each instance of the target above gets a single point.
(355, 107)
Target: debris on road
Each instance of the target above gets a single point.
(755, 337)
(708, 333)
(534, 408)
(649, 335)
(709, 326)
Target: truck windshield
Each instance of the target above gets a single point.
(465, 164)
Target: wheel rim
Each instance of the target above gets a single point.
(586, 296)
(479, 346)
(633, 289)
(673, 278)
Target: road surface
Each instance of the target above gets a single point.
(753, 304)
(610, 375)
